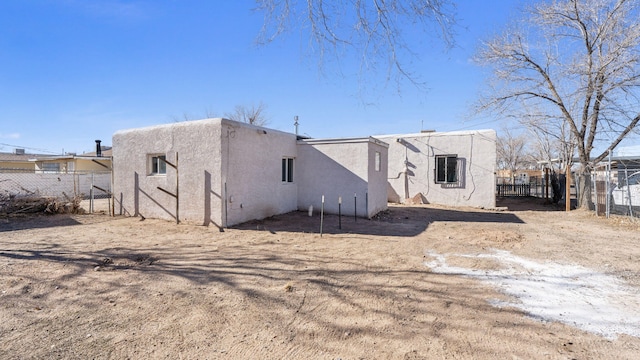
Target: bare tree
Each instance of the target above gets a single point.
(551, 139)
(511, 152)
(254, 114)
(373, 29)
(578, 61)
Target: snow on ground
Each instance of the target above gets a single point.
(548, 291)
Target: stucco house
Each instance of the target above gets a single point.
(446, 168)
(85, 163)
(69, 163)
(223, 172)
(17, 160)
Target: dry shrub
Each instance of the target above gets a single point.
(48, 205)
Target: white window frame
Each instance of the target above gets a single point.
(446, 171)
(157, 164)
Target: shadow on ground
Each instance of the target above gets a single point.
(531, 203)
(398, 220)
(33, 221)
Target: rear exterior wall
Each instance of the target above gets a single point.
(342, 169)
(252, 172)
(412, 167)
(195, 147)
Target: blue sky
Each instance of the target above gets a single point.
(72, 71)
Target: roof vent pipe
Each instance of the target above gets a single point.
(98, 148)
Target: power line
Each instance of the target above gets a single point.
(30, 148)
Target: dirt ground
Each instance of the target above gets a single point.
(96, 287)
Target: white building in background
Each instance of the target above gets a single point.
(223, 172)
(447, 168)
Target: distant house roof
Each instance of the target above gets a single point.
(628, 152)
(4, 156)
(107, 151)
(106, 154)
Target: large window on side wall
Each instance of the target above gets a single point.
(446, 169)
(157, 164)
(287, 169)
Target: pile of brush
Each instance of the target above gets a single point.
(12, 204)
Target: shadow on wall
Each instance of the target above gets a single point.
(396, 221)
(208, 192)
(327, 177)
(138, 191)
(408, 175)
(461, 182)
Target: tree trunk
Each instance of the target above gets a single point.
(583, 182)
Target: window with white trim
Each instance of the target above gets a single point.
(50, 167)
(158, 164)
(287, 169)
(446, 169)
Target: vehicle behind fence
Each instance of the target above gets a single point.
(616, 191)
(21, 189)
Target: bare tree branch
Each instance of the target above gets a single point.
(253, 114)
(573, 60)
(371, 29)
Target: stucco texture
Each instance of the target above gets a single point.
(228, 172)
(412, 167)
(342, 169)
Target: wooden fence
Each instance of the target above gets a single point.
(513, 190)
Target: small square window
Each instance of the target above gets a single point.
(287, 170)
(158, 164)
(446, 169)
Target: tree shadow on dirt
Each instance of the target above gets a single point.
(309, 295)
(531, 203)
(32, 221)
(396, 221)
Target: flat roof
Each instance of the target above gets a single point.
(369, 139)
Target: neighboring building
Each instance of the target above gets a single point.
(56, 175)
(227, 172)
(447, 168)
(85, 163)
(520, 177)
(17, 160)
(41, 163)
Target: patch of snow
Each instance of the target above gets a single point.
(570, 294)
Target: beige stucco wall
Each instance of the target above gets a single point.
(412, 167)
(17, 165)
(214, 156)
(377, 183)
(342, 168)
(87, 165)
(252, 168)
(197, 146)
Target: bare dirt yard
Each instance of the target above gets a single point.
(417, 282)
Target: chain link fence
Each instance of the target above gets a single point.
(616, 189)
(23, 191)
